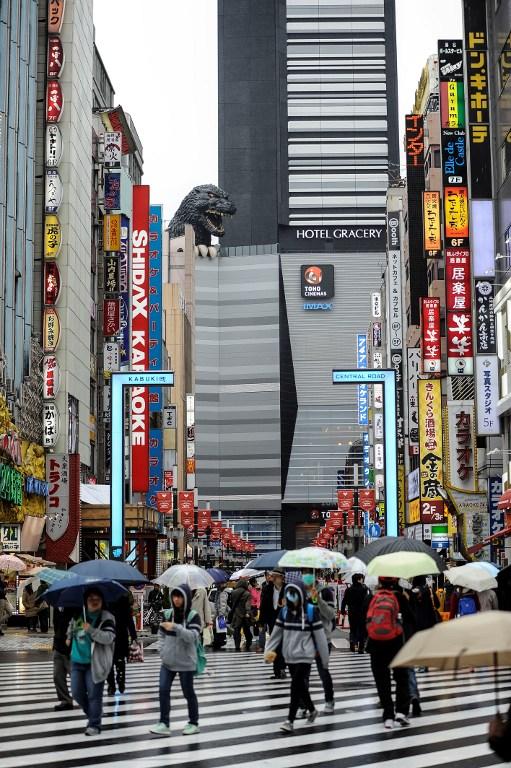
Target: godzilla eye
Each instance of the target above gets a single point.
(211, 194)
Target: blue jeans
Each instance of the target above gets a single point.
(88, 694)
(412, 685)
(186, 679)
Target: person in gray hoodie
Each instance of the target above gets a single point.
(323, 597)
(300, 631)
(92, 639)
(179, 634)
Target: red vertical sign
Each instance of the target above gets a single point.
(140, 339)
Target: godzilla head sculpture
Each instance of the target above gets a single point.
(204, 208)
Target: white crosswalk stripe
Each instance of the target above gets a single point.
(240, 711)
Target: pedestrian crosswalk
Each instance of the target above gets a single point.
(241, 709)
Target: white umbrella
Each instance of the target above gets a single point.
(471, 577)
(489, 567)
(245, 573)
(11, 563)
(191, 575)
(312, 557)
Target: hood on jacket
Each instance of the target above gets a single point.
(299, 587)
(185, 592)
(242, 584)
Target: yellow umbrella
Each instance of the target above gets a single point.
(480, 640)
(402, 565)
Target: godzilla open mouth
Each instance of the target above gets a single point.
(215, 223)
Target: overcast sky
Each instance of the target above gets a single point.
(161, 58)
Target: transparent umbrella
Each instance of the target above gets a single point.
(191, 575)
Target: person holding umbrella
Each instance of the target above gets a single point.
(91, 638)
(125, 635)
(355, 602)
(240, 615)
(272, 601)
(28, 598)
(221, 611)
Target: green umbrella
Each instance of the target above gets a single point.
(312, 557)
(402, 565)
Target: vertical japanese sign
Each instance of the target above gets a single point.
(124, 337)
(456, 208)
(478, 70)
(140, 339)
(431, 353)
(497, 516)
(414, 135)
(155, 350)
(413, 370)
(430, 450)
(487, 394)
(363, 389)
(461, 463)
(432, 225)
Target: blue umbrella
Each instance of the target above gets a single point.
(218, 575)
(112, 570)
(69, 593)
(268, 560)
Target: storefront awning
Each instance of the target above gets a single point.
(94, 494)
(505, 500)
(503, 534)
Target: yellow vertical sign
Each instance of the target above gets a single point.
(112, 232)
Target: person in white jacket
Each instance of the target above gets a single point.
(201, 605)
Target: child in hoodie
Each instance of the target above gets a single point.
(179, 634)
(300, 631)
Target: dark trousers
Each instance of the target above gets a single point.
(219, 638)
(87, 693)
(118, 672)
(380, 661)
(186, 679)
(300, 696)
(32, 623)
(44, 619)
(61, 669)
(279, 665)
(245, 626)
(326, 678)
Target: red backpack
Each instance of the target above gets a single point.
(382, 617)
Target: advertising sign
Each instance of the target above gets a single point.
(432, 225)
(112, 232)
(461, 459)
(169, 417)
(54, 101)
(456, 212)
(124, 266)
(51, 283)
(112, 191)
(452, 104)
(486, 333)
(140, 338)
(413, 369)
(53, 191)
(155, 340)
(57, 501)
(10, 537)
(55, 57)
(363, 389)
(430, 450)
(415, 183)
(497, 516)
(52, 237)
(51, 425)
(112, 148)
(414, 141)
(111, 357)
(459, 343)
(414, 484)
(164, 502)
(111, 274)
(395, 305)
(318, 281)
(345, 500)
(54, 146)
(457, 280)
(376, 335)
(51, 330)
(431, 352)
(454, 157)
(203, 520)
(487, 394)
(376, 305)
(185, 503)
(111, 317)
(56, 9)
(51, 377)
(367, 499)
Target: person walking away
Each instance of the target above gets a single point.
(61, 658)
(355, 602)
(255, 593)
(5, 606)
(125, 635)
(323, 598)
(201, 605)
(299, 630)
(43, 614)
(240, 615)
(272, 601)
(265, 606)
(488, 600)
(424, 604)
(464, 603)
(28, 599)
(221, 611)
(179, 634)
(92, 640)
(387, 613)
(155, 603)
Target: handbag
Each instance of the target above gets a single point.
(207, 636)
(220, 625)
(499, 736)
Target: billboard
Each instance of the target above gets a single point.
(155, 348)
(363, 389)
(431, 353)
(461, 459)
(416, 185)
(317, 281)
(487, 395)
(430, 450)
(432, 225)
(140, 338)
(124, 337)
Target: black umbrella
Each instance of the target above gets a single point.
(268, 560)
(388, 544)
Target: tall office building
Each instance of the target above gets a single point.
(308, 137)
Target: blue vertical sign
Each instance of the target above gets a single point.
(155, 349)
(367, 467)
(363, 389)
(124, 285)
(497, 516)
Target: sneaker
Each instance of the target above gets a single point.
(301, 714)
(160, 729)
(388, 725)
(312, 716)
(287, 727)
(64, 705)
(92, 731)
(190, 729)
(401, 719)
(329, 707)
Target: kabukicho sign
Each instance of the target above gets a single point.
(140, 338)
(52, 236)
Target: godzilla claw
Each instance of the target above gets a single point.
(203, 251)
(212, 251)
